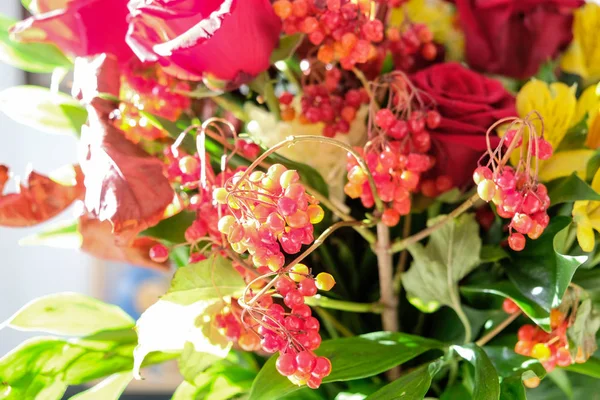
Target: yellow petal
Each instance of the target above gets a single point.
(564, 163)
(596, 181)
(585, 237)
(556, 104)
(593, 136)
(583, 57)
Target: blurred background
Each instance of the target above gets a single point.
(30, 272)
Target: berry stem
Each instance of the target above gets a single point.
(291, 140)
(389, 316)
(403, 256)
(326, 302)
(499, 328)
(402, 244)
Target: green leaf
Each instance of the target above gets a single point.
(192, 363)
(583, 331)
(541, 271)
(69, 314)
(512, 389)
(287, 47)
(492, 253)
(172, 229)
(575, 136)
(508, 363)
(41, 109)
(31, 57)
(63, 235)
(507, 290)
(487, 386)
(590, 368)
(109, 389)
(561, 379)
(185, 391)
(412, 386)
(207, 280)
(351, 358)
(451, 253)
(570, 188)
(456, 391)
(592, 166)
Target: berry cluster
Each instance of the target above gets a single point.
(324, 102)
(341, 28)
(146, 87)
(516, 193)
(409, 42)
(396, 153)
(268, 212)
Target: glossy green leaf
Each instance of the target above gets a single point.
(590, 368)
(507, 290)
(542, 272)
(172, 229)
(109, 389)
(561, 379)
(592, 166)
(31, 57)
(487, 384)
(456, 391)
(492, 253)
(351, 358)
(508, 363)
(411, 386)
(570, 188)
(451, 253)
(41, 109)
(207, 280)
(69, 314)
(512, 389)
(287, 47)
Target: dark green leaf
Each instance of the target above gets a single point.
(512, 389)
(487, 385)
(561, 379)
(411, 386)
(546, 72)
(70, 314)
(351, 358)
(541, 271)
(43, 109)
(591, 368)
(575, 136)
(456, 391)
(287, 47)
(492, 253)
(507, 290)
(207, 280)
(172, 229)
(508, 363)
(570, 188)
(31, 57)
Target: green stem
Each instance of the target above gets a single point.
(341, 305)
(269, 96)
(328, 318)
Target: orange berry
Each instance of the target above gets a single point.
(282, 8)
(288, 114)
(532, 383)
(390, 217)
(324, 281)
(353, 190)
(556, 318)
(325, 54)
(523, 347)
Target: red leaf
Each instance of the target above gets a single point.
(124, 184)
(99, 241)
(37, 201)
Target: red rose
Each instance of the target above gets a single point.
(468, 103)
(78, 27)
(229, 39)
(515, 37)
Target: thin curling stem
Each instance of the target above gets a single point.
(291, 140)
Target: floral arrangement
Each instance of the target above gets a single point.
(391, 199)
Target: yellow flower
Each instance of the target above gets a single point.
(560, 111)
(583, 56)
(440, 17)
(589, 102)
(586, 214)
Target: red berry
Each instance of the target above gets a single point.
(286, 364)
(390, 217)
(302, 311)
(385, 118)
(307, 287)
(322, 367)
(286, 98)
(509, 306)
(270, 343)
(526, 332)
(563, 357)
(516, 241)
(293, 298)
(313, 382)
(398, 130)
(305, 361)
(433, 119)
(159, 253)
(311, 323)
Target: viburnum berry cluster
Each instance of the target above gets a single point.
(397, 151)
(342, 29)
(409, 42)
(516, 192)
(552, 348)
(325, 102)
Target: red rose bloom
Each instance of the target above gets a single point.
(78, 27)
(229, 39)
(514, 37)
(468, 103)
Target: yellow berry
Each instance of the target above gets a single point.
(226, 223)
(541, 352)
(315, 213)
(486, 189)
(532, 383)
(299, 272)
(288, 177)
(324, 281)
(188, 164)
(220, 195)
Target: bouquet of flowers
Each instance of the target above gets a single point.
(356, 199)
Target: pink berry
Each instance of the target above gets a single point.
(307, 287)
(305, 361)
(522, 223)
(286, 364)
(159, 253)
(516, 241)
(482, 173)
(293, 298)
(544, 150)
(322, 367)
